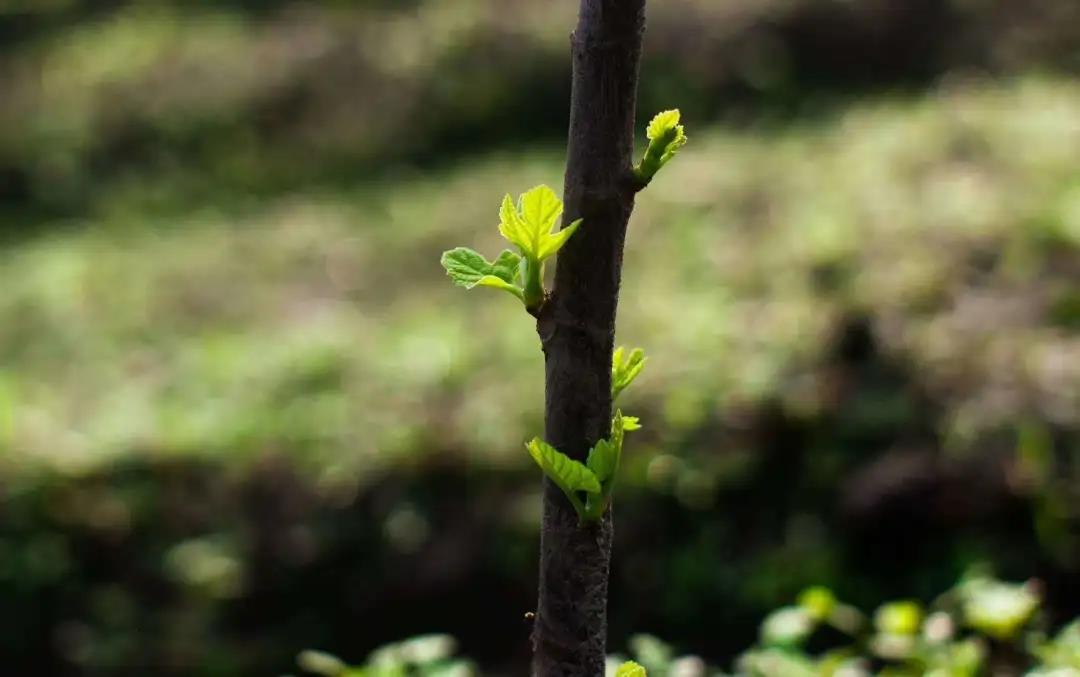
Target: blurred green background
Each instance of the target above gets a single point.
(244, 413)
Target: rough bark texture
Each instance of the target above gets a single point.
(577, 330)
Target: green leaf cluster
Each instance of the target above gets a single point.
(588, 485)
(531, 226)
(666, 136)
(957, 635)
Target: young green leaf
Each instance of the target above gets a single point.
(631, 423)
(512, 225)
(618, 427)
(531, 225)
(565, 471)
(664, 126)
(625, 368)
(603, 461)
(469, 269)
(571, 476)
(630, 669)
(666, 136)
(540, 208)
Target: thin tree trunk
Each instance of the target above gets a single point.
(577, 330)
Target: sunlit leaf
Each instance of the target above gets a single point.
(533, 224)
(540, 209)
(603, 460)
(662, 124)
(512, 225)
(625, 368)
(469, 269)
(551, 244)
(569, 474)
(630, 669)
(666, 136)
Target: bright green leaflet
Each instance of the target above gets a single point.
(630, 669)
(603, 460)
(531, 226)
(666, 136)
(619, 427)
(625, 368)
(469, 269)
(571, 476)
(595, 478)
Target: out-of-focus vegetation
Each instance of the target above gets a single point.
(424, 656)
(236, 100)
(242, 413)
(980, 626)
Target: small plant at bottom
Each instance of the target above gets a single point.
(982, 626)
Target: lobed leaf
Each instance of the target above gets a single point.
(551, 244)
(532, 225)
(569, 474)
(540, 208)
(506, 266)
(468, 268)
(512, 226)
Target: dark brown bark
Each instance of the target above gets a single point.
(577, 330)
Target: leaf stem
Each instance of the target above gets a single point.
(533, 294)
